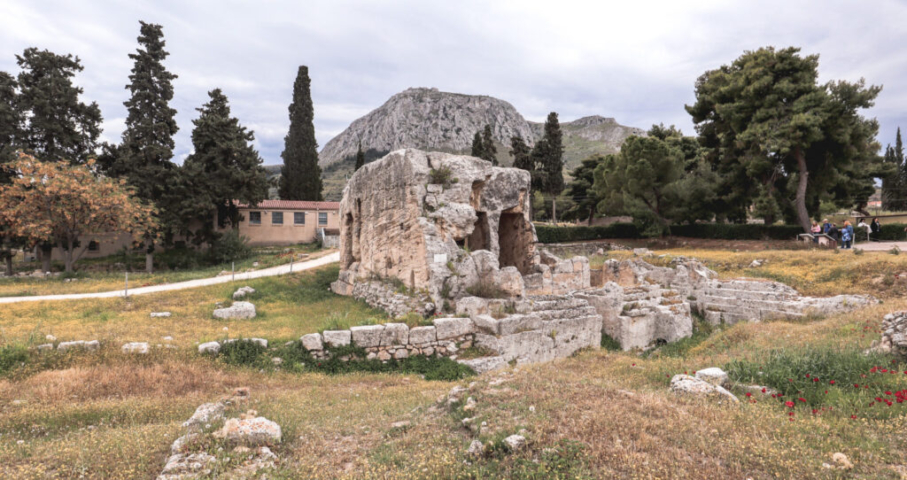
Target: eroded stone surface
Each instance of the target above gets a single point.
(686, 385)
(250, 432)
(135, 348)
(239, 310)
(205, 414)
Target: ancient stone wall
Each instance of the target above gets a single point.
(438, 223)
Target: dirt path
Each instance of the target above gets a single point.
(202, 282)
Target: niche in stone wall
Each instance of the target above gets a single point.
(515, 241)
(479, 238)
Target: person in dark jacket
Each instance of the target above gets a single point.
(875, 229)
(833, 232)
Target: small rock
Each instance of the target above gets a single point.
(243, 292)
(135, 348)
(45, 346)
(687, 385)
(160, 314)
(401, 424)
(515, 442)
(239, 310)
(312, 341)
(842, 461)
(475, 449)
(187, 466)
(50, 338)
(713, 375)
(277, 361)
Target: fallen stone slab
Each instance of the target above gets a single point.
(515, 442)
(135, 348)
(484, 364)
(250, 432)
(205, 414)
(160, 314)
(239, 310)
(448, 328)
(713, 375)
(686, 385)
(183, 466)
(260, 341)
(243, 292)
(79, 344)
(209, 347)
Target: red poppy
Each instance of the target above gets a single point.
(763, 390)
(807, 375)
(748, 394)
(832, 382)
(853, 417)
(802, 399)
(789, 404)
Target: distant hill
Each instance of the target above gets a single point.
(433, 120)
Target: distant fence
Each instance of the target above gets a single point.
(721, 231)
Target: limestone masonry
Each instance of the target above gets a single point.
(450, 236)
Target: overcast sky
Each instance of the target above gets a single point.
(634, 61)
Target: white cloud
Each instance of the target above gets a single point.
(635, 61)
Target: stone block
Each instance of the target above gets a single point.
(448, 328)
(136, 347)
(312, 341)
(337, 338)
(209, 347)
(422, 335)
(394, 334)
(367, 336)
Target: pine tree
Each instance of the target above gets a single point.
(224, 167)
(144, 158)
(300, 177)
(489, 151)
(57, 125)
(478, 146)
(360, 157)
(549, 157)
(890, 182)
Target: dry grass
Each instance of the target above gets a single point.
(109, 416)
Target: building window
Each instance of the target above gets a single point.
(299, 218)
(93, 246)
(322, 218)
(255, 218)
(277, 218)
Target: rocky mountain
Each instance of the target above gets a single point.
(429, 119)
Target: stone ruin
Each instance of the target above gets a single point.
(450, 236)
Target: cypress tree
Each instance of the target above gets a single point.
(900, 178)
(57, 126)
(360, 157)
(521, 154)
(224, 166)
(9, 122)
(300, 177)
(549, 156)
(489, 151)
(478, 145)
(144, 158)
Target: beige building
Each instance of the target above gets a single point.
(270, 223)
(286, 222)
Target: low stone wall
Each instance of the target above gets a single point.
(384, 297)
(445, 338)
(586, 249)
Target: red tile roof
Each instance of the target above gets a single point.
(293, 205)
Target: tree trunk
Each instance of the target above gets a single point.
(9, 265)
(802, 182)
(149, 256)
(46, 253)
(67, 258)
(591, 214)
(554, 210)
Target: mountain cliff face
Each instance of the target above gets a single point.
(429, 119)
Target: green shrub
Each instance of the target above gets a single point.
(609, 343)
(180, 258)
(243, 352)
(893, 232)
(229, 247)
(12, 357)
(485, 288)
(441, 176)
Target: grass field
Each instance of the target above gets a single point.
(599, 414)
(93, 275)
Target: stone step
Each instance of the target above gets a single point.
(731, 317)
(556, 303)
(748, 294)
(575, 312)
(752, 286)
(730, 305)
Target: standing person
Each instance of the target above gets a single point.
(833, 232)
(825, 226)
(876, 230)
(816, 229)
(847, 235)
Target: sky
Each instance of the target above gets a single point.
(634, 61)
